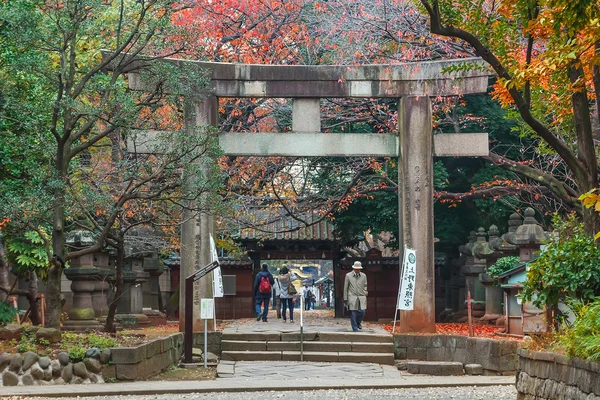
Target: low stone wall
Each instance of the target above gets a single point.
(497, 357)
(30, 368)
(544, 375)
(214, 342)
(143, 361)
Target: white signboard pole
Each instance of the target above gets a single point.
(406, 291)
(207, 307)
(217, 277)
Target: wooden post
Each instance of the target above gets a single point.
(13, 299)
(43, 307)
(469, 314)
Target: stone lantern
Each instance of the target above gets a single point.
(89, 275)
(152, 297)
(528, 237)
(493, 293)
(472, 268)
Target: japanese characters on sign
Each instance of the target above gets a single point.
(406, 296)
(207, 307)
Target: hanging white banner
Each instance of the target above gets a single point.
(217, 276)
(406, 296)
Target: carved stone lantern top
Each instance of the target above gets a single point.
(530, 233)
(481, 248)
(503, 244)
(467, 248)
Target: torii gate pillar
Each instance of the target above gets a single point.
(197, 227)
(415, 197)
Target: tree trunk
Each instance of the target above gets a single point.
(33, 297)
(112, 308)
(4, 281)
(53, 292)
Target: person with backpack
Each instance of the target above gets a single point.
(263, 285)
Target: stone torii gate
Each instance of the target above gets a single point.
(413, 84)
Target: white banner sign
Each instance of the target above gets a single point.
(207, 308)
(217, 276)
(406, 297)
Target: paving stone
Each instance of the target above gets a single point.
(251, 336)
(354, 337)
(328, 346)
(373, 347)
(438, 368)
(473, 369)
(379, 358)
(284, 346)
(242, 345)
(250, 355)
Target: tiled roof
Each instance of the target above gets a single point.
(288, 228)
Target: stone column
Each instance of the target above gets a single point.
(197, 227)
(472, 268)
(81, 314)
(493, 293)
(505, 249)
(415, 194)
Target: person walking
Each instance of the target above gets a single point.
(262, 292)
(355, 295)
(307, 294)
(276, 299)
(286, 293)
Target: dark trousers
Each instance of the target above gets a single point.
(285, 303)
(306, 303)
(356, 318)
(265, 311)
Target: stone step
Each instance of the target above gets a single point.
(315, 356)
(273, 336)
(354, 347)
(438, 368)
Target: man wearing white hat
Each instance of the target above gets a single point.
(355, 295)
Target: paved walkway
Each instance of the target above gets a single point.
(247, 370)
(252, 385)
(313, 321)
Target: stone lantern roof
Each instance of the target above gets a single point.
(501, 243)
(530, 233)
(481, 248)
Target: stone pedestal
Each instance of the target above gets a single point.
(129, 306)
(82, 315)
(494, 296)
(152, 301)
(100, 297)
(471, 270)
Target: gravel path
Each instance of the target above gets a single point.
(462, 393)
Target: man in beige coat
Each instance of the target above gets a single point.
(355, 295)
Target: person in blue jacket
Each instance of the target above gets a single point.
(263, 285)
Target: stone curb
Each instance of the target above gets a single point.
(233, 385)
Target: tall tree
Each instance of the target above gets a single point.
(58, 44)
(545, 55)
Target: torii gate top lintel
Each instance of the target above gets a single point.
(426, 78)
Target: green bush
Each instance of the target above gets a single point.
(582, 338)
(101, 342)
(27, 343)
(568, 267)
(7, 313)
(501, 266)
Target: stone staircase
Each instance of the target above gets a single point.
(349, 347)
